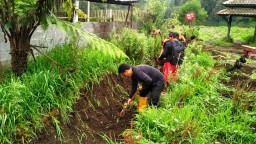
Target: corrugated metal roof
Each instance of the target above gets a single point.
(240, 3)
(251, 12)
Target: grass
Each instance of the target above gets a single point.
(46, 91)
(217, 35)
(205, 116)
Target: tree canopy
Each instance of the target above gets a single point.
(195, 7)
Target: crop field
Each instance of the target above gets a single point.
(72, 93)
(83, 104)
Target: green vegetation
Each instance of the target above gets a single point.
(139, 47)
(46, 91)
(195, 7)
(204, 115)
(153, 13)
(197, 109)
(20, 18)
(254, 75)
(217, 35)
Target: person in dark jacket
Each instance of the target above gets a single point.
(151, 79)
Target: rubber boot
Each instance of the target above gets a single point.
(142, 103)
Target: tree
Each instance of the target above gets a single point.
(154, 12)
(195, 7)
(209, 6)
(19, 20)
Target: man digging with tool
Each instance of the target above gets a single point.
(152, 80)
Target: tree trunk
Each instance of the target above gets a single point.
(19, 52)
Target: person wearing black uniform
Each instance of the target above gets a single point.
(172, 57)
(152, 80)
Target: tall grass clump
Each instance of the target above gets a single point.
(169, 125)
(137, 46)
(48, 89)
(248, 38)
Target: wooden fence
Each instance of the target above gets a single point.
(109, 15)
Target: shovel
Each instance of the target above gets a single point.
(126, 105)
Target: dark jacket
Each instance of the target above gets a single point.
(168, 46)
(173, 52)
(148, 76)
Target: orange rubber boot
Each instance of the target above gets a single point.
(142, 103)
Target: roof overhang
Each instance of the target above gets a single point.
(240, 3)
(118, 2)
(245, 12)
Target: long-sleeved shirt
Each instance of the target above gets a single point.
(167, 50)
(146, 75)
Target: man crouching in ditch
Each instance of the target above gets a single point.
(152, 80)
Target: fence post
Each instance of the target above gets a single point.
(88, 11)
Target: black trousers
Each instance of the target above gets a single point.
(155, 90)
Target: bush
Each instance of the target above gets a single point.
(247, 39)
(138, 47)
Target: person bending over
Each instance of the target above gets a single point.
(151, 79)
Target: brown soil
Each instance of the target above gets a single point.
(95, 114)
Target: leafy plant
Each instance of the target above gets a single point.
(154, 13)
(194, 111)
(195, 7)
(46, 92)
(19, 20)
(135, 45)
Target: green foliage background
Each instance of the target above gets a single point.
(195, 7)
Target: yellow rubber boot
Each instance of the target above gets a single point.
(142, 103)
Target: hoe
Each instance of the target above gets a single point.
(126, 105)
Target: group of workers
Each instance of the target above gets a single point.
(153, 80)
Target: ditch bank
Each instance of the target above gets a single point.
(94, 115)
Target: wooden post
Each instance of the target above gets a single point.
(88, 11)
(127, 14)
(75, 14)
(229, 26)
(190, 24)
(131, 14)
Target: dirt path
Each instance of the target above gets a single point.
(237, 76)
(95, 114)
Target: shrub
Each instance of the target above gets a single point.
(134, 45)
